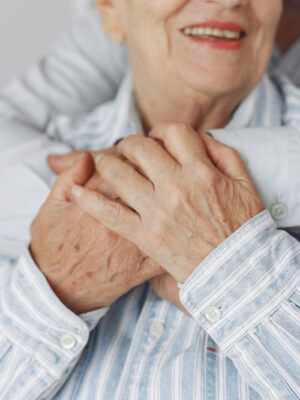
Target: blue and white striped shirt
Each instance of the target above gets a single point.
(142, 347)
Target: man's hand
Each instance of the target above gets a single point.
(87, 265)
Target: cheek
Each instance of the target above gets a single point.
(162, 9)
(266, 16)
(268, 13)
(148, 29)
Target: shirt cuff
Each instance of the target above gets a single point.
(34, 319)
(243, 280)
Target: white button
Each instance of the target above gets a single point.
(68, 341)
(156, 329)
(213, 313)
(278, 211)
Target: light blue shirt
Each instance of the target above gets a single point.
(242, 341)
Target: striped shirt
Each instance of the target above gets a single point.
(142, 347)
(287, 63)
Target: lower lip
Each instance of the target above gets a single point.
(218, 44)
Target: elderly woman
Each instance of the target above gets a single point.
(188, 207)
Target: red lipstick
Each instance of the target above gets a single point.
(219, 42)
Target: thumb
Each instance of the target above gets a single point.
(226, 159)
(78, 174)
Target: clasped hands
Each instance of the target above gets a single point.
(173, 197)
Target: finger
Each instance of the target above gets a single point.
(133, 188)
(181, 141)
(115, 216)
(225, 158)
(60, 163)
(77, 174)
(149, 156)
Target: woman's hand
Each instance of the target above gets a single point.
(164, 285)
(183, 198)
(87, 265)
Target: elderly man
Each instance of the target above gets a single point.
(61, 194)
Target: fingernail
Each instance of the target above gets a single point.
(77, 191)
(99, 157)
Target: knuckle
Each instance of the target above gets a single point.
(171, 129)
(107, 166)
(232, 153)
(123, 175)
(111, 213)
(143, 146)
(159, 130)
(178, 128)
(126, 142)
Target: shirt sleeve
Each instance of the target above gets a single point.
(40, 339)
(83, 70)
(246, 295)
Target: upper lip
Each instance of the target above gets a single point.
(229, 25)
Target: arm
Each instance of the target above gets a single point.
(84, 70)
(40, 339)
(57, 292)
(254, 275)
(254, 278)
(245, 292)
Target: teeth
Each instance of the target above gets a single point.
(213, 32)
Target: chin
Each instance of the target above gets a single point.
(217, 82)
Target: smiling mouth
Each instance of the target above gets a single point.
(214, 34)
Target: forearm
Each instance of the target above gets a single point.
(253, 281)
(33, 325)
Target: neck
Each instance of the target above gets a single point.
(201, 112)
(289, 27)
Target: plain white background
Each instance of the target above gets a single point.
(29, 28)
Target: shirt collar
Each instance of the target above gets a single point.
(119, 118)
(286, 63)
(261, 107)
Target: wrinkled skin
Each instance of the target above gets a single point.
(164, 285)
(87, 265)
(194, 193)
